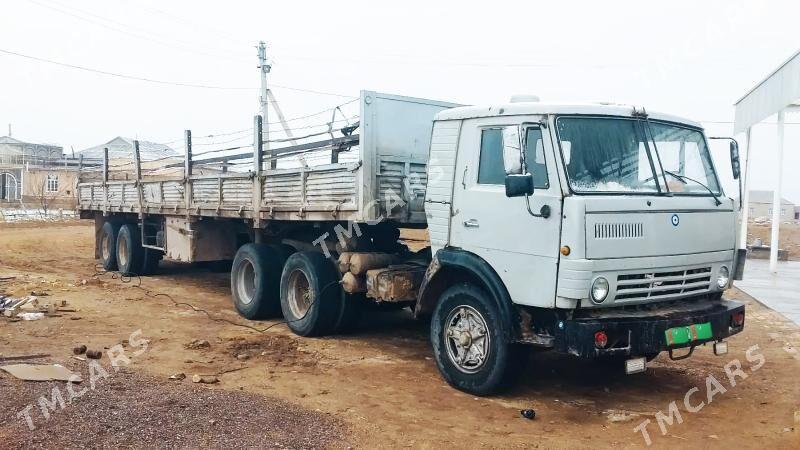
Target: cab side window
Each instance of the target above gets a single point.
(490, 167)
(534, 158)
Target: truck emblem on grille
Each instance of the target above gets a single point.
(675, 220)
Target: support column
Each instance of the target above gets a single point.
(776, 199)
(746, 190)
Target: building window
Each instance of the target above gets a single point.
(769, 212)
(52, 183)
(783, 212)
(752, 211)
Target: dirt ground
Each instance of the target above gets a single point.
(788, 236)
(375, 388)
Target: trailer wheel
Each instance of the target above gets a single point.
(130, 253)
(108, 245)
(255, 281)
(310, 294)
(469, 342)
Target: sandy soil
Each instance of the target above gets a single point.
(379, 383)
(788, 236)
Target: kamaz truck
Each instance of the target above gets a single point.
(599, 231)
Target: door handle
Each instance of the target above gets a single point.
(471, 223)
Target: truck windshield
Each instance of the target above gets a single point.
(606, 155)
(683, 152)
(609, 154)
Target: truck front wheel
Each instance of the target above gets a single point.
(469, 344)
(255, 280)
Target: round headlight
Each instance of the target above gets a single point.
(723, 277)
(599, 289)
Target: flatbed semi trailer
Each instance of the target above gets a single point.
(600, 231)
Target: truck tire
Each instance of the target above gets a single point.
(350, 311)
(130, 253)
(310, 294)
(255, 281)
(469, 343)
(108, 245)
(150, 261)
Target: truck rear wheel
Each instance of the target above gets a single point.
(130, 253)
(255, 281)
(469, 342)
(108, 245)
(350, 312)
(311, 297)
(150, 261)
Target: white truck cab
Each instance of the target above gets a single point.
(604, 226)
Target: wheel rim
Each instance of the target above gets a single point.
(105, 247)
(246, 282)
(299, 294)
(122, 253)
(467, 339)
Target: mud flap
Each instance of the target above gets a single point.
(738, 264)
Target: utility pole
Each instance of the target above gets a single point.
(265, 68)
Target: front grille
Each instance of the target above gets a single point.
(618, 230)
(662, 285)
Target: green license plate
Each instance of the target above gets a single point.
(688, 334)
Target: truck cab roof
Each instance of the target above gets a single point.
(526, 108)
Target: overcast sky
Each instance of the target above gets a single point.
(688, 58)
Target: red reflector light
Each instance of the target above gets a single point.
(738, 318)
(600, 339)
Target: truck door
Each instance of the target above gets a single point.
(522, 249)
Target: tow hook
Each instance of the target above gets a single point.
(678, 358)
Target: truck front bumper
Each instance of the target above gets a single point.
(643, 332)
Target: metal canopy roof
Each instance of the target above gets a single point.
(776, 94)
(779, 90)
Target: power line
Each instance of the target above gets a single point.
(355, 99)
(228, 133)
(164, 82)
(119, 75)
(231, 37)
(64, 9)
(312, 91)
(223, 142)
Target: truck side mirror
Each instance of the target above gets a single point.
(735, 164)
(518, 185)
(512, 150)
